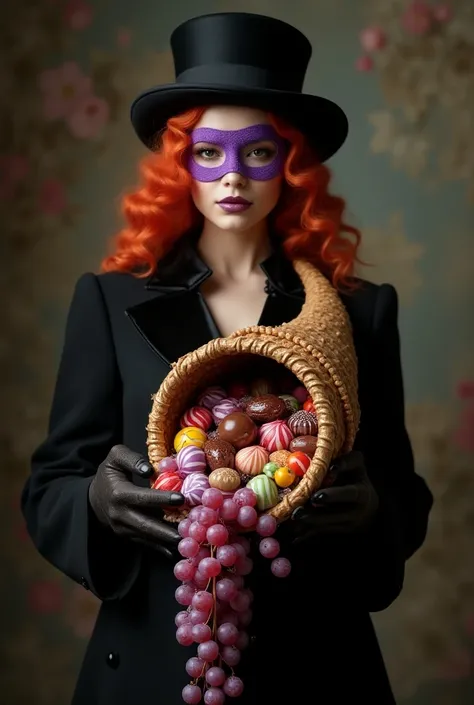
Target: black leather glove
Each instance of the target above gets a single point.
(129, 510)
(347, 505)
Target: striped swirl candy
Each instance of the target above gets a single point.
(275, 435)
(197, 416)
(224, 408)
(303, 423)
(250, 460)
(168, 482)
(266, 491)
(194, 486)
(211, 396)
(190, 459)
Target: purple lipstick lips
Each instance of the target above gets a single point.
(233, 204)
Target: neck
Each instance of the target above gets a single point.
(234, 255)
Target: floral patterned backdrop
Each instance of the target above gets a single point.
(404, 71)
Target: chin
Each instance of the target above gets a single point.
(235, 222)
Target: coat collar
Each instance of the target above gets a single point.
(176, 319)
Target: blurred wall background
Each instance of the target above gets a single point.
(404, 72)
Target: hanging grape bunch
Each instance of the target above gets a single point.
(237, 453)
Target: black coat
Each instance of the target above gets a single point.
(312, 636)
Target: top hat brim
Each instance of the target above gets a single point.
(323, 122)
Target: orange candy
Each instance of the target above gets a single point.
(284, 477)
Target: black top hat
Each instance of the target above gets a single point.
(237, 58)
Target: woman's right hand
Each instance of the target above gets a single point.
(129, 510)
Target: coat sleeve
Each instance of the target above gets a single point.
(405, 502)
(85, 422)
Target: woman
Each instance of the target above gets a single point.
(235, 187)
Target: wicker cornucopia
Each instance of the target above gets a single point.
(316, 347)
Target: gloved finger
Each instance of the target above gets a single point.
(136, 524)
(344, 494)
(155, 546)
(129, 461)
(147, 498)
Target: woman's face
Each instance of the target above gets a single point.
(236, 162)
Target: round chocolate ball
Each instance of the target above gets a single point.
(238, 429)
(305, 444)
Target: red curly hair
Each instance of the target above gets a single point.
(307, 218)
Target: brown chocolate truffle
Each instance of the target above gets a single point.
(304, 444)
(265, 408)
(238, 429)
(219, 454)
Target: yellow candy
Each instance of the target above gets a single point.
(284, 477)
(189, 436)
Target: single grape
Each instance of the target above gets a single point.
(225, 590)
(227, 634)
(208, 517)
(208, 651)
(215, 676)
(233, 687)
(204, 552)
(247, 516)
(184, 635)
(226, 555)
(214, 696)
(242, 641)
(240, 550)
(183, 527)
(194, 667)
(245, 497)
(194, 514)
(212, 498)
(198, 616)
(181, 618)
(188, 547)
(281, 567)
(244, 566)
(200, 581)
(237, 580)
(217, 535)
(184, 570)
(229, 510)
(192, 694)
(210, 567)
(249, 593)
(231, 655)
(245, 618)
(197, 531)
(241, 602)
(203, 600)
(201, 633)
(266, 525)
(269, 547)
(184, 595)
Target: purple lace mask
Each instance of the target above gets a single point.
(232, 143)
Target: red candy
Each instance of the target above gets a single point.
(238, 390)
(298, 462)
(197, 416)
(168, 482)
(308, 405)
(275, 435)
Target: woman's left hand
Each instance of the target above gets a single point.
(346, 506)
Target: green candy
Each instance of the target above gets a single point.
(292, 404)
(266, 491)
(270, 469)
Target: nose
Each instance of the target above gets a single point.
(233, 178)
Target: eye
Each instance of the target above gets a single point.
(207, 153)
(261, 152)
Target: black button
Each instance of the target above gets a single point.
(85, 584)
(113, 659)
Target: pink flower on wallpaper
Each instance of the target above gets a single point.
(417, 18)
(52, 197)
(63, 89)
(81, 611)
(372, 39)
(45, 597)
(364, 64)
(89, 117)
(78, 14)
(442, 13)
(124, 38)
(14, 168)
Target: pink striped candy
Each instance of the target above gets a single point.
(194, 486)
(168, 482)
(197, 416)
(211, 396)
(224, 408)
(275, 435)
(250, 460)
(190, 459)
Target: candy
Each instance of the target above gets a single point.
(237, 390)
(197, 416)
(284, 477)
(168, 464)
(168, 482)
(211, 396)
(298, 462)
(224, 408)
(238, 429)
(219, 454)
(308, 405)
(265, 408)
(305, 444)
(250, 460)
(189, 436)
(303, 423)
(300, 393)
(270, 469)
(275, 435)
(190, 459)
(225, 479)
(279, 457)
(194, 486)
(266, 491)
(291, 403)
(260, 386)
